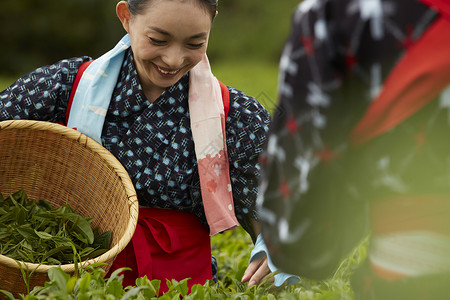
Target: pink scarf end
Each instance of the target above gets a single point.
(208, 130)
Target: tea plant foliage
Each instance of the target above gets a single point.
(232, 252)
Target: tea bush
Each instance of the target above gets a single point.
(232, 251)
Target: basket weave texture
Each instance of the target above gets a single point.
(58, 164)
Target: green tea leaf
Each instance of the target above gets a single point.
(115, 288)
(80, 237)
(53, 261)
(86, 251)
(96, 253)
(59, 277)
(71, 284)
(19, 197)
(81, 226)
(198, 292)
(20, 214)
(153, 285)
(103, 240)
(45, 205)
(180, 286)
(85, 281)
(8, 217)
(62, 241)
(115, 274)
(7, 294)
(133, 292)
(26, 231)
(52, 252)
(43, 235)
(26, 245)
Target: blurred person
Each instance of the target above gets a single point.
(189, 143)
(359, 146)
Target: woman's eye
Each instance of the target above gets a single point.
(157, 42)
(196, 46)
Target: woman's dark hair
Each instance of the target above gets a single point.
(137, 6)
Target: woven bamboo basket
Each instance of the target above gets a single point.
(52, 162)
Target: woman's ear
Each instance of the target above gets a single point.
(124, 15)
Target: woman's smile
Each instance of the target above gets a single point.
(166, 72)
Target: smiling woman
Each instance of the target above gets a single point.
(153, 102)
(165, 46)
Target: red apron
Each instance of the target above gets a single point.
(167, 244)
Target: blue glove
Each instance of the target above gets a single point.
(280, 278)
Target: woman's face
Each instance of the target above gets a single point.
(168, 39)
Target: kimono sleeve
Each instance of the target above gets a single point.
(42, 94)
(310, 218)
(246, 133)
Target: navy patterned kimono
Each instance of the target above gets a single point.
(153, 141)
(317, 188)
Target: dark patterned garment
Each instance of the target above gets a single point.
(317, 188)
(153, 141)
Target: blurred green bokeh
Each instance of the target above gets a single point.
(245, 45)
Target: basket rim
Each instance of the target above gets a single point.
(112, 161)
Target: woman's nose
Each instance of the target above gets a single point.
(173, 57)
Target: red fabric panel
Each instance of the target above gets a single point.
(418, 78)
(80, 72)
(167, 244)
(225, 98)
(441, 6)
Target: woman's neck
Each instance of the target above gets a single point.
(152, 93)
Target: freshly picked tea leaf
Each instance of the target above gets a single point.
(37, 232)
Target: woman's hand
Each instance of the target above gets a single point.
(258, 268)
(257, 271)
